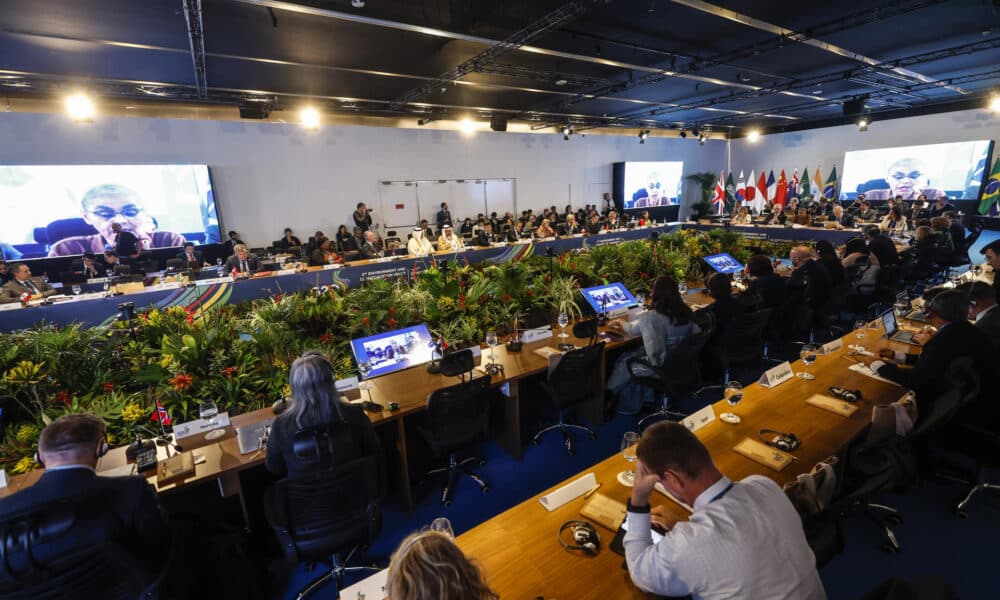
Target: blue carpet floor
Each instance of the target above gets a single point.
(934, 541)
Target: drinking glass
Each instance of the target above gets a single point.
(491, 341)
(732, 393)
(76, 290)
(808, 356)
(443, 525)
(641, 300)
(218, 262)
(629, 441)
(207, 410)
(562, 320)
(860, 326)
(682, 287)
(364, 368)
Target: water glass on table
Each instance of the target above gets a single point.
(629, 442)
(808, 356)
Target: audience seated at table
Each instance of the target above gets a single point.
(545, 230)
(992, 253)
(927, 252)
(948, 313)
(593, 225)
(720, 313)
(843, 219)
(429, 566)
(190, 256)
(941, 205)
(370, 248)
(448, 241)
(324, 254)
(744, 539)
(826, 254)
(809, 288)
(243, 262)
(466, 229)
(802, 218)
(742, 217)
(23, 283)
(315, 407)
(484, 237)
(346, 242)
(942, 231)
(764, 283)
(984, 312)
(861, 271)
(287, 240)
(881, 246)
(957, 233)
(571, 227)
(894, 223)
(419, 245)
(5, 274)
(69, 449)
(90, 268)
(613, 221)
(865, 212)
(662, 328)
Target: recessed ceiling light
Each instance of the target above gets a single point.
(753, 135)
(561, 82)
(309, 117)
(80, 107)
(467, 126)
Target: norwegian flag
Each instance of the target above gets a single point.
(161, 414)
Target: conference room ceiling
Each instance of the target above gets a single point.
(656, 64)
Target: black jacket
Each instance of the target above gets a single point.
(253, 264)
(885, 250)
(990, 325)
(809, 284)
(770, 288)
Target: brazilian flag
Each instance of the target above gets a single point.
(830, 189)
(991, 192)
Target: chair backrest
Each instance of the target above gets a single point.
(586, 330)
(64, 228)
(575, 378)
(60, 551)
(963, 389)
(457, 364)
(743, 337)
(175, 263)
(328, 511)
(682, 364)
(457, 415)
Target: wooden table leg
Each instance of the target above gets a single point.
(593, 409)
(405, 492)
(510, 435)
(229, 485)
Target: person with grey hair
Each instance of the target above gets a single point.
(109, 205)
(23, 283)
(369, 249)
(316, 406)
(69, 449)
(948, 314)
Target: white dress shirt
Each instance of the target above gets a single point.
(744, 542)
(419, 246)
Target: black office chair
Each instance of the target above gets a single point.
(741, 342)
(574, 380)
(681, 368)
(455, 417)
(176, 264)
(873, 467)
(61, 551)
(919, 588)
(329, 515)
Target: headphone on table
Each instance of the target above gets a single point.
(788, 442)
(101, 451)
(585, 537)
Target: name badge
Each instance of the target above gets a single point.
(777, 375)
(831, 346)
(697, 420)
(197, 426)
(533, 335)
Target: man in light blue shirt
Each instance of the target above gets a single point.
(743, 540)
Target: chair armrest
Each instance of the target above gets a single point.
(631, 362)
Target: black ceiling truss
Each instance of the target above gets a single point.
(196, 39)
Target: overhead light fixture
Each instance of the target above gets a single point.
(995, 103)
(80, 108)
(701, 139)
(561, 82)
(567, 131)
(863, 123)
(467, 126)
(643, 134)
(309, 118)
(358, 3)
(753, 135)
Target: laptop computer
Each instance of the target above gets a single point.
(893, 332)
(253, 436)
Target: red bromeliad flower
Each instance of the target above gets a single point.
(278, 297)
(392, 311)
(107, 386)
(506, 298)
(366, 322)
(228, 372)
(64, 397)
(392, 323)
(181, 381)
(325, 338)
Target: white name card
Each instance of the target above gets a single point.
(477, 354)
(533, 335)
(286, 272)
(200, 426)
(571, 490)
(332, 266)
(697, 420)
(97, 280)
(777, 375)
(348, 387)
(831, 346)
(3, 478)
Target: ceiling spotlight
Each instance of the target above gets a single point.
(80, 108)
(309, 118)
(467, 126)
(684, 134)
(995, 103)
(643, 134)
(358, 3)
(561, 82)
(566, 130)
(753, 135)
(863, 124)
(701, 139)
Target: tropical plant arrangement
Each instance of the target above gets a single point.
(239, 355)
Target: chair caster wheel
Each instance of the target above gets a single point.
(593, 436)
(894, 520)
(486, 489)
(890, 548)
(961, 514)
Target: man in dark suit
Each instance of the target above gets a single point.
(882, 247)
(843, 219)
(948, 312)
(190, 256)
(243, 262)
(809, 282)
(90, 268)
(443, 216)
(369, 249)
(233, 241)
(5, 274)
(69, 449)
(23, 283)
(126, 244)
(983, 309)
(484, 237)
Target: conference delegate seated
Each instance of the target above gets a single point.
(315, 407)
(957, 233)
(466, 229)
(881, 246)
(190, 256)
(419, 245)
(571, 227)
(346, 242)
(843, 219)
(22, 283)
(509, 231)
(744, 539)
(984, 312)
(5, 274)
(613, 221)
(545, 230)
(429, 565)
(287, 240)
(809, 287)
(942, 231)
(894, 223)
(948, 313)
(243, 263)
(866, 213)
(781, 217)
(764, 283)
(861, 271)
(593, 224)
(826, 254)
(126, 507)
(662, 328)
(484, 237)
(722, 311)
(742, 217)
(928, 255)
(941, 206)
(89, 267)
(448, 241)
(323, 254)
(802, 218)
(370, 248)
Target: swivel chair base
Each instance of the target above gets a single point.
(663, 414)
(885, 517)
(565, 429)
(456, 469)
(978, 485)
(336, 573)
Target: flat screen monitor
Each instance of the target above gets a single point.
(651, 184)
(986, 236)
(724, 263)
(613, 298)
(394, 350)
(955, 169)
(65, 210)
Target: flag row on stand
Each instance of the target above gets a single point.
(756, 191)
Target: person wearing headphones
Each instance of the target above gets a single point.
(948, 314)
(428, 564)
(69, 449)
(744, 538)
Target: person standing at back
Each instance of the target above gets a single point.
(744, 538)
(362, 217)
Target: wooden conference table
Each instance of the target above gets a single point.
(520, 554)
(410, 389)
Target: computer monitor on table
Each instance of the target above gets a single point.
(612, 298)
(724, 263)
(395, 350)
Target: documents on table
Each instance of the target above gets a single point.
(761, 453)
(574, 489)
(604, 511)
(840, 407)
(864, 370)
(776, 375)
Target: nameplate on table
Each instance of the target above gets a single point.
(831, 346)
(214, 280)
(285, 272)
(761, 453)
(97, 280)
(840, 407)
(10, 306)
(348, 387)
(697, 420)
(777, 375)
(533, 335)
(185, 430)
(570, 491)
(332, 266)
(3, 478)
(477, 354)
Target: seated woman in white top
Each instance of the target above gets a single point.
(448, 241)
(894, 222)
(418, 244)
(545, 230)
(742, 217)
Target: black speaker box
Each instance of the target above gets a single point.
(854, 107)
(498, 123)
(255, 110)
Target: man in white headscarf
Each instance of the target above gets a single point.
(448, 241)
(419, 245)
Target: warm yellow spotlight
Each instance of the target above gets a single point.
(309, 117)
(467, 126)
(753, 135)
(80, 108)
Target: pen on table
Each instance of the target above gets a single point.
(591, 492)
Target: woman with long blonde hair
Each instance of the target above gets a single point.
(429, 566)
